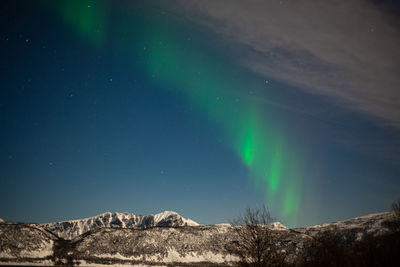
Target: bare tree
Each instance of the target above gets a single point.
(395, 223)
(396, 207)
(256, 246)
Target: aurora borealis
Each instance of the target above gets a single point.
(263, 137)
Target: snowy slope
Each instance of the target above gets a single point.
(74, 228)
(26, 243)
(123, 243)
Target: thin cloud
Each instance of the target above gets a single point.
(347, 50)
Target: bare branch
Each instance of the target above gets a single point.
(396, 207)
(256, 241)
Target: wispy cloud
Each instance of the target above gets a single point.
(347, 50)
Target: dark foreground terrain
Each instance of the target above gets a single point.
(372, 240)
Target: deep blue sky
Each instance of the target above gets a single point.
(88, 125)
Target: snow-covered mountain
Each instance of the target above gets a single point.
(74, 228)
(372, 240)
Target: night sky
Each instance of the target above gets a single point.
(200, 107)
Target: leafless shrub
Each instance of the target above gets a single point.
(326, 249)
(256, 244)
(394, 224)
(396, 207)
(330, 248)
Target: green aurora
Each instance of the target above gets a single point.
(218, 91)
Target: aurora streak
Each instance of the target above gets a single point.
(220, 92)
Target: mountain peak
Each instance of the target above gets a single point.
(164, 214)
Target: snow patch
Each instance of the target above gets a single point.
(45, 250)
(85, 263)
(278, 226)
(175, 256)
(190, 222)
(28, 263)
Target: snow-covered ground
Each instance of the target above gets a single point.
(30, 244)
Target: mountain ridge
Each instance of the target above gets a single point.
(71, 229)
